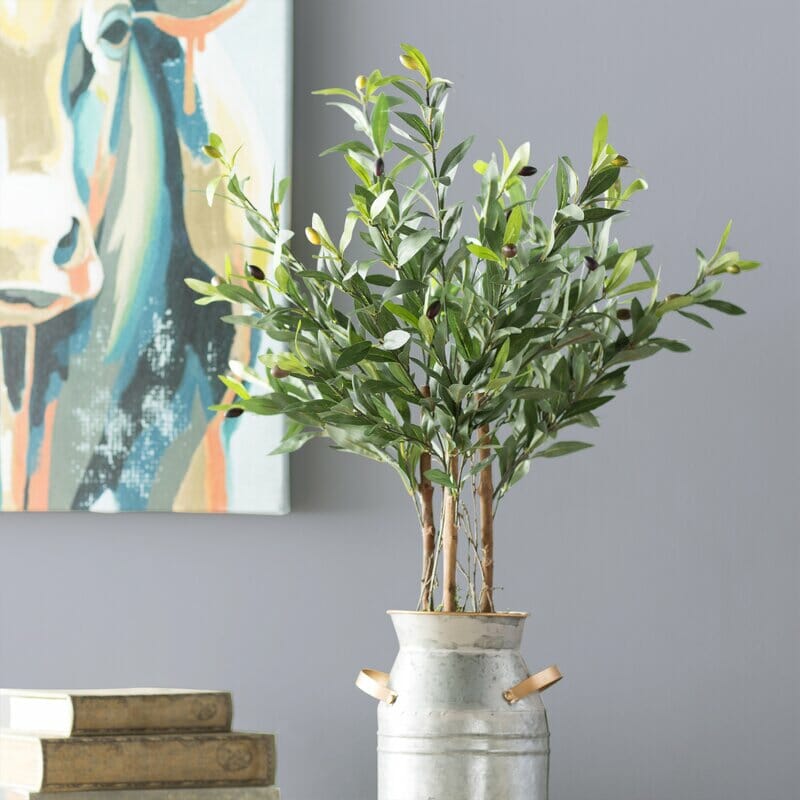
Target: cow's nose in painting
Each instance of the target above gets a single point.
(67, 244)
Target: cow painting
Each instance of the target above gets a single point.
(107, 367)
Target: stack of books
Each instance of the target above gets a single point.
(131, 744)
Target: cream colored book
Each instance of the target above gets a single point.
(111, 711)
(164, 761)
(223, 793)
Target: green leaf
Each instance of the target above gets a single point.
(292, 443)
(211, 189)
(483, 252)
(622, 270)
(722, 242)
(235, 386)
(588, 404)
(514, 225)
(201, 287)
(724, 306)
(398, 288)
(352, 354)
(380, 202)
(562, 449)
(500, 359)
(402, 312)
(674, 304)
(632, 288)
(672, 344)
(639, 185)
(572, 211)
(352, 145)
(412, 244)
(537, 393)
(340, 92)
(396, 339)
(356, 114)
(440, 477)
(454, 157)
(644, 328)
(359, 169)
(600, 182)
(599, 214)
(380, 123)
(458, 391)
(421, 60)
(416, 123)
(599, 139)
(634, 353)
(696, 318)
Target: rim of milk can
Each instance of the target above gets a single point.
(514, 614)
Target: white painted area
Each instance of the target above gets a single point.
(106, 503)
(255, 66)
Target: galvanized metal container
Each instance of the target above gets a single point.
(449, 728)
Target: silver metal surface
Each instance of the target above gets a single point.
(451, 735)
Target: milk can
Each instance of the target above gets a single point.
(460, 716)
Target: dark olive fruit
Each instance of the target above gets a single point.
(619, 161)
(379, 167)
(255, 272)
(591, 263)
(234, 412)
(526, 172)
(278, 372)
(673, 296)
(734, 269)
(623, 313)
(433, 309)
(509, 250)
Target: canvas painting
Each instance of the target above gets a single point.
(107, 367)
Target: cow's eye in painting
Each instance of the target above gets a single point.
(115, 32)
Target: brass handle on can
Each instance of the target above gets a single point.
(376, 684)
(535, 683)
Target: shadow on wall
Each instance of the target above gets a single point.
(324, 480)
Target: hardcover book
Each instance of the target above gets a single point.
(115, 711)
(88, 763)
(221, 793)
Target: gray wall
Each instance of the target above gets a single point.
(661, 567)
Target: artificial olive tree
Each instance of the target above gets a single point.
(455, 353)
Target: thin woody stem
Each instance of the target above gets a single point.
(425, 490)
(450, 544)
(485, 496)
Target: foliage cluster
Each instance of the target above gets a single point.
(454, 357)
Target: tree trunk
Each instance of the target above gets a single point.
(450, 540)
(428, 526)
(486, 497)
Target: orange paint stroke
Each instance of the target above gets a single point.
(215, 478)
(39, 487)
(80, 279)
(194, 30)
(99, 187)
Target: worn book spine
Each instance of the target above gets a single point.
(90, 763)
(151, 713)
(220, 793)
